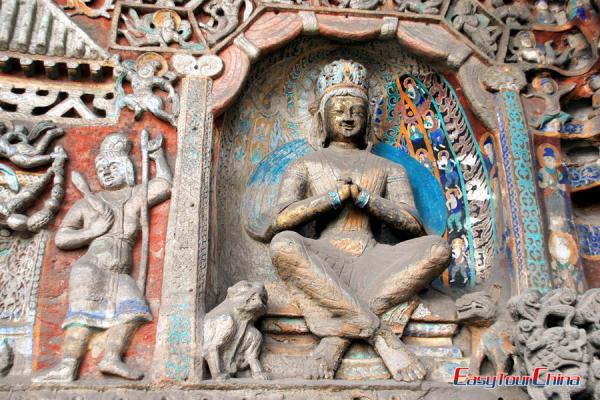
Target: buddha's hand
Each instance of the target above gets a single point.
(343, 191)
(360, 196)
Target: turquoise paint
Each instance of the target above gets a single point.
(527, 214)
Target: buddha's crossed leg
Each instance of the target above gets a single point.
(398, 273)
(334, 312)
(337, 309)
(331, 310)
(416, 263)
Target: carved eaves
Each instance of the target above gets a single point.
(39, 31)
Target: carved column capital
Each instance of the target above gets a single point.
(504, 77)
(208, 66)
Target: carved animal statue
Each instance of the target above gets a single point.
(6, 358)
(490, 336)
(231, 342)
(549, 334)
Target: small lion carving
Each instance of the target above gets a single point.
(489, 331)
(231, 342)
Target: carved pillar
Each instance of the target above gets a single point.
(179, 337)
(525, 244)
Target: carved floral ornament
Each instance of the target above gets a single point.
(208, 66)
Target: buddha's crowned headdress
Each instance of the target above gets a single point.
(342, 78)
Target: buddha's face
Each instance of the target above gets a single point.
(345, 119)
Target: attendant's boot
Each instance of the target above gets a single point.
(76, 340)
(117, 339)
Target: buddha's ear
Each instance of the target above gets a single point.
(369, 131)
(318, 135)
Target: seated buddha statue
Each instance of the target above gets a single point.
(345, 278)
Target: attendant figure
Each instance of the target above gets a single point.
(102, 293)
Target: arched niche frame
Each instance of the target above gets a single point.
(211, 85)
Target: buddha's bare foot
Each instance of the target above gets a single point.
(325, 358)
(65, 371)
(401, 363)
(114, 366)
(263, 376)
(221, 377)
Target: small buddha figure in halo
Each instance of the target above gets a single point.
(345, 279)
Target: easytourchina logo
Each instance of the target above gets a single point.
(541, 377)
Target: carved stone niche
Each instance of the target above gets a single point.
(268, 128)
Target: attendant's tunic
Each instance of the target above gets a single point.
(101, 291)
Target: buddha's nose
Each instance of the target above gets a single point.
(348, 120)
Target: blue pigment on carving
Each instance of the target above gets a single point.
(429, 198)
(589, 239)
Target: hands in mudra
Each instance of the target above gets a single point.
(352, 191)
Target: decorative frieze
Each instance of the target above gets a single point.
(69, 103)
